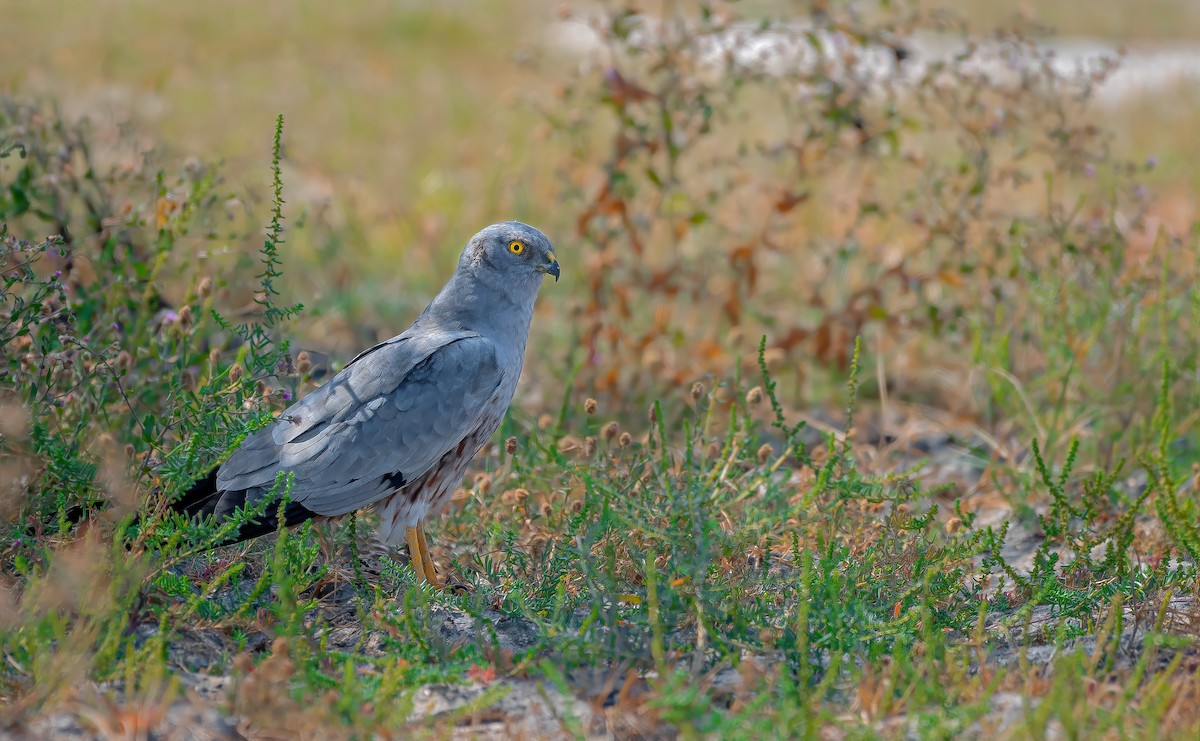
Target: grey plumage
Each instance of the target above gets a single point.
(398, 425)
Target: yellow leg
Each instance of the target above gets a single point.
(414, 552)
(418, 554)
(431, 574)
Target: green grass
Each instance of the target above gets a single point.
(852, 417)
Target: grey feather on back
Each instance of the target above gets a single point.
(395, 409)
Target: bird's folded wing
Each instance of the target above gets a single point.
(385, 419)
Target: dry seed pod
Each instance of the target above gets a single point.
(697, 391)
(521, 495)
(609, 431)
(589, 406)
(483, 483)
(589, 446)
(765, 452)
(303, 363)
(204, 290)
(953, 525)
(510, 445)
(185, 316)
(625, 440)
(568, 443)
(754, 396)
(236, 372)
(546, 509)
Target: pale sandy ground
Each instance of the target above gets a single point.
(1145, 69)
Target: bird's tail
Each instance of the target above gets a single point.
(200, 498)
(203, 500)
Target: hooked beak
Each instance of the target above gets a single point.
(550, 268)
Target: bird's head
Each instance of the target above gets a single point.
(511, 252)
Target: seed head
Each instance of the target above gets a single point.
(214, 356)
(609, 431)
(589, 446)
(953, 525)
(625, 440)
(765, 452)
(545, 421)
(204, 290)
(188, 381)
(697, 391)
(754, 396)
(712, 450)
(303, 363)
(546, 509)
(577, 506)
(568, 443)
(589, 406)
(185, 316)
(521, 495)
(236, 372)
(483, 483)
(510, 445)
(124, 361)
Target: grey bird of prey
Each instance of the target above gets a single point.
(398, 426)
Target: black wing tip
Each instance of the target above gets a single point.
(203, 500)
(294, 514)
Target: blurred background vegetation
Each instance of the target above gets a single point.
(414, 123)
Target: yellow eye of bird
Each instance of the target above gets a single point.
(516, 247)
